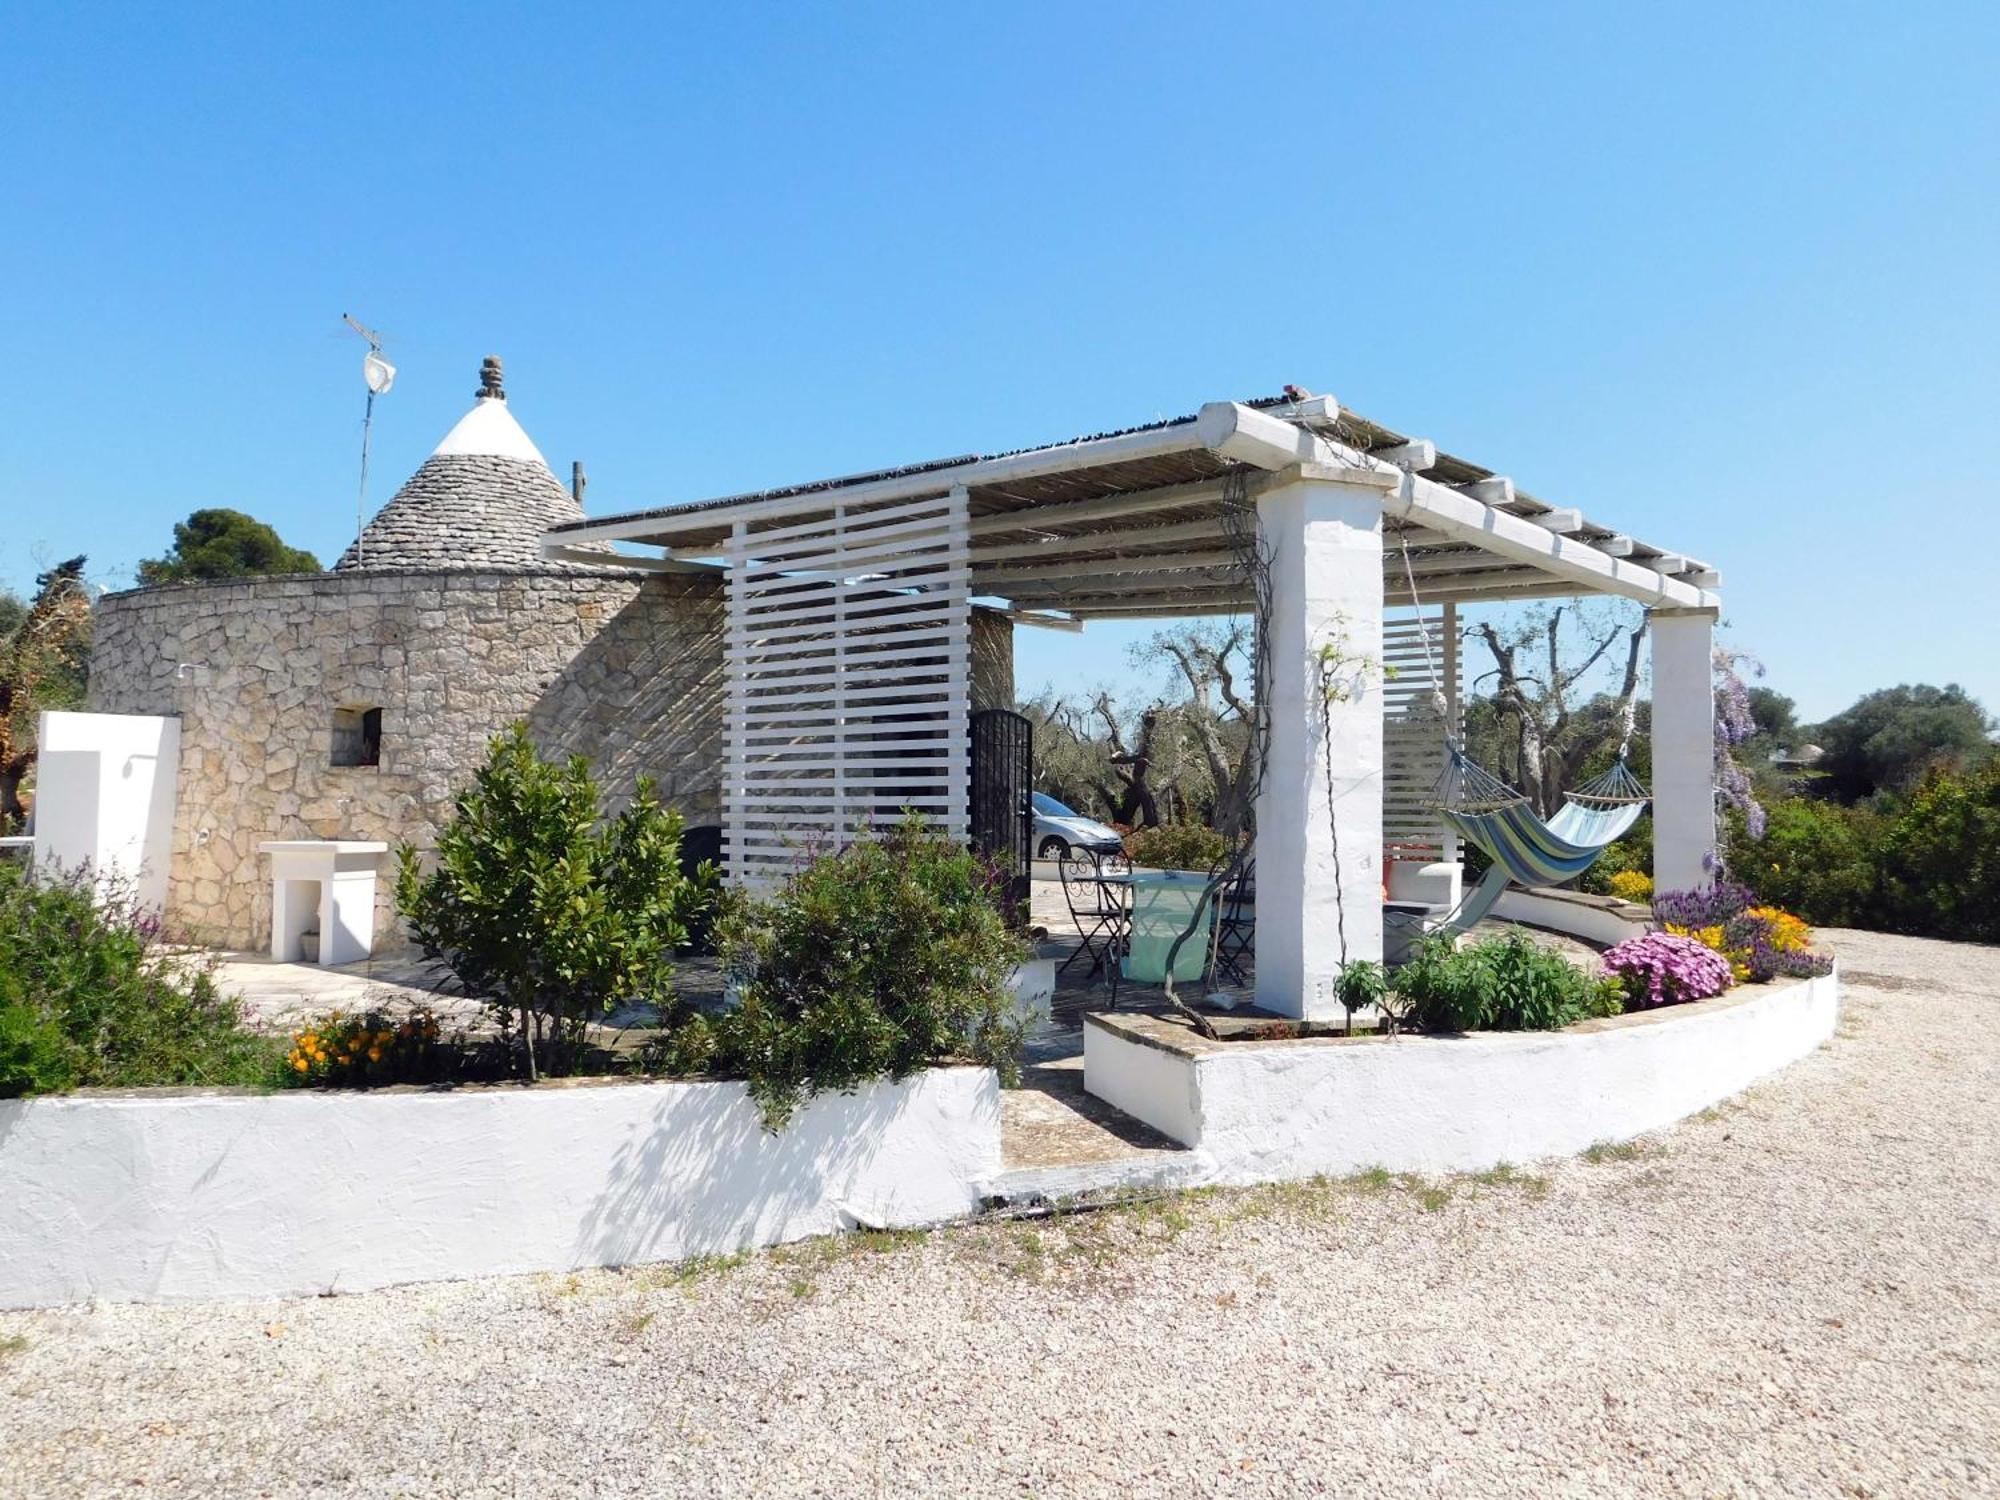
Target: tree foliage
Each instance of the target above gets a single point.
(44, 659)
(1537, 718)
(1182, 755)
(1925, 862)
(545, 909)
(222, 543)
(1891, 737)
(1215, 664)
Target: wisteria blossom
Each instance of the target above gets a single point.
(1734, 723)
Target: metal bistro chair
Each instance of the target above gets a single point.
(1164, 905)
(1236, 936)
(1096, 905)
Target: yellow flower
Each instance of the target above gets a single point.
(374, 1054)
(299, 1064)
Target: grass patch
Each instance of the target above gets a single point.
(686, 1274)
(1507, 1175)
(14, 1343)
(1608, 1151)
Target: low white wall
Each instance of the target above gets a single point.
(1262, 1111)
(1597, 920)
(104, 797)
(159, 1198)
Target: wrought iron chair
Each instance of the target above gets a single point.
(1096, 905)
(1236, 935)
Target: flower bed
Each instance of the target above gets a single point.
(1266, 1110)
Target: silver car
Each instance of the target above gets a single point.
(1059, 828)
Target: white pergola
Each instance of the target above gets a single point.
(848, 648)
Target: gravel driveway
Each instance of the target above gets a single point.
(1798, 1294)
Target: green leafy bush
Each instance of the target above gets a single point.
(547, 911)
(1819, 859)
(1177, 846)
(1505, 983)
(1925, 863)
(1940, 863)
(872, 961)
(88, 999)
(1631, 854)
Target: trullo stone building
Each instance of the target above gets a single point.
(352, 704)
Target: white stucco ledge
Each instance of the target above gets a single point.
(1263, 1111)
(1603, 920)
(166, 1196)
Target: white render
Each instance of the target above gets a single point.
(1683, 747)
(1265, 1111)
(155, 1197)
(489, 431)
(1323, 533)
(333, 879)
(104, 798)
(1595, 919)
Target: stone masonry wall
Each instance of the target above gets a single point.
(623, 670)
(626, 671)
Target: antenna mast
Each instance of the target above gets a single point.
(379, 375)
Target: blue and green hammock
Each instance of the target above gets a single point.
(1487, 812)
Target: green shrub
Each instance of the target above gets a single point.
(1362, 982)
(1504, 983)
(1925, 863)
(1940, 862)
(1819, 859)
(1177, 846)
(547, 911)
(869, 962)
(1633, 853)
(89, 1000)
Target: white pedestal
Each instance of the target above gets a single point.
(334, 877)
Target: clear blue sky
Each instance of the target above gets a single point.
(1725, 275)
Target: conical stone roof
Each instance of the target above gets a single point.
(479, 503)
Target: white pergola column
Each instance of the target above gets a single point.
(1322, 530)
(1683, 747)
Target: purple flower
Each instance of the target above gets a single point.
(1663, 969)
(1705, 906)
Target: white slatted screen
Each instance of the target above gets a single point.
(848, 654)
(1413, 748)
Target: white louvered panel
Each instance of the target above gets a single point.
(1413, 741)
(848, 652)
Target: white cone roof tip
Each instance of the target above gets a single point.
(490, 431)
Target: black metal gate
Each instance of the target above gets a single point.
(1002, 818)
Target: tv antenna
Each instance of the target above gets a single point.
(379, 375)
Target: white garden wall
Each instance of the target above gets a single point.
(158, 1198)
(1262, 1111)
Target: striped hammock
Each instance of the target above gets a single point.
(1487, 812)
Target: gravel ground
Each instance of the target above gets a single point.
(1797, 1294)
